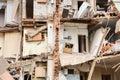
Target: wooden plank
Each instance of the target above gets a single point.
(108, 57)
(91, 70)
(39, 30)
(8, 29)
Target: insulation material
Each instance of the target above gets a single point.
(1, 43)
(6, 76)
(11, 44)
(96, 41)
(74, 59)
(117, 28)
(40, 72)
(9, 13)
(38, 47)
(3, 65)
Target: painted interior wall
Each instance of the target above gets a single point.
(43, 10)
(1, 43)
(51, 39)
(11, 44)
(73, 31)
(38, 47)
(9, 13)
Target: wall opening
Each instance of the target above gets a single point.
(82, 43)
(70, 71)
(27, 77)
(102, 5)
(2, 16)
(79, 4)
(29, 8)
(106, 77)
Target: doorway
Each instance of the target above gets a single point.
(79, 4)
(29, 8)
(82, 43)
(106, 77)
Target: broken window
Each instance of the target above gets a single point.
(82, 43)
(29, 8)
(106, 77)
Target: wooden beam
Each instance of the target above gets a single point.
(21, 63)
(8, 29)
(91, 70)
(108, 57)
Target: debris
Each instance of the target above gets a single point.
(3, 65)
(6, 76)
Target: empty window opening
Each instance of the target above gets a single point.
(2, 17)
(83, 75)
(27, 77)
(70, 71)
(82, 43)
(79, 4)
(102, 5)
(106, 77)
(29, 8)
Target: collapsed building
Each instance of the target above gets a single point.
(84, 35)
